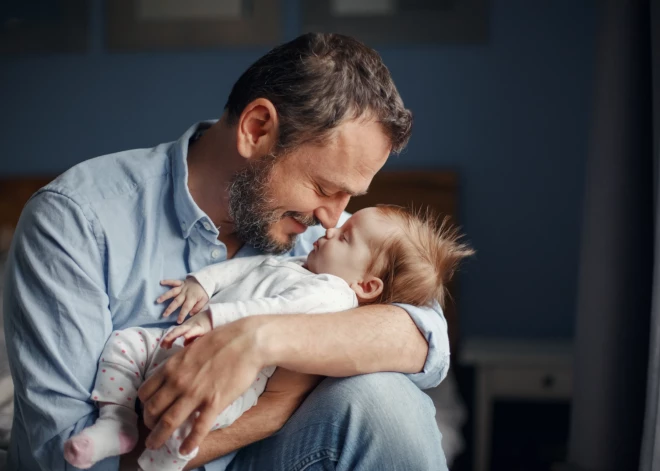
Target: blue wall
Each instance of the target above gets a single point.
(511, 115)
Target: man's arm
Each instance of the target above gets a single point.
(402, 338)
(363, 340)
(57, 320)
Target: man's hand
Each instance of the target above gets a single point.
(187, 293)
(205, 377)
(284, 393)
(190, 330)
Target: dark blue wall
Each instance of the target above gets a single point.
(511, 115)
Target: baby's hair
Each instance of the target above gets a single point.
(419, 259)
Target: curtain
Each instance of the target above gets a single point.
(650, 458)
(617, 250)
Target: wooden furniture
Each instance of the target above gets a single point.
(436, 189)
(14, 193)
(513, 369)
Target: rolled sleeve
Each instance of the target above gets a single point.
(57, 320)
(433, 326)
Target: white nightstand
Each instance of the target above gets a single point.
(513, 369)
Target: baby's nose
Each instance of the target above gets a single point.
(330, 233)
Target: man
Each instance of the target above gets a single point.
(304, 129)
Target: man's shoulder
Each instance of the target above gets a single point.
(111, 176)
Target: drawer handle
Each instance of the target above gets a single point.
(548, 381)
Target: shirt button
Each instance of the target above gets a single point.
(207, 226)
(215, 253)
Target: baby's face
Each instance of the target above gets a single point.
(346, 251)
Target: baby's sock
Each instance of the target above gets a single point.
(114, 433)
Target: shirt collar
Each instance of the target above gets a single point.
(187, 211)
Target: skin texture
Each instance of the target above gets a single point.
(315, 180)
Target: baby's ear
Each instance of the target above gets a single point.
(368, 289)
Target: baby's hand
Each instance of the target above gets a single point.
(191, 329)
(189, 293)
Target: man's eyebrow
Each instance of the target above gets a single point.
(344, 189)
(353, 194)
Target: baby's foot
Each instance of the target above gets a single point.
(79, 451)
(114, 433)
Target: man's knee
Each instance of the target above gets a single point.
(382, 407)
(376, 421)
(377, 392)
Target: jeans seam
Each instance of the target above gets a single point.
(315, 457)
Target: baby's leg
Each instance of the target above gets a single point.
(120, 374)
(113, 433)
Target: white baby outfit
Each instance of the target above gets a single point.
(237, 288)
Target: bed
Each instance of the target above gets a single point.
(437, 190)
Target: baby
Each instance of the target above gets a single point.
(383, 254)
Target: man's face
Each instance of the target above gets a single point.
(274, 200)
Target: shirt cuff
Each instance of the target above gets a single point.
(433, 326)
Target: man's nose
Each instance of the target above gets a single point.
(330, 213)
(327, 218)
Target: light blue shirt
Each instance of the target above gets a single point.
(87, 257)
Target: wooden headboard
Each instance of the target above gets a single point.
(437, 190)
(14, 193)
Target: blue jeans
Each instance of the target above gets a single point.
(375, 422)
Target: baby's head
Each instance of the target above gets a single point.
(388, 254)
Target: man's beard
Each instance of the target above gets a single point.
(252, 209)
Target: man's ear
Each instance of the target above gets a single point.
(257, 129)
(368, 289)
